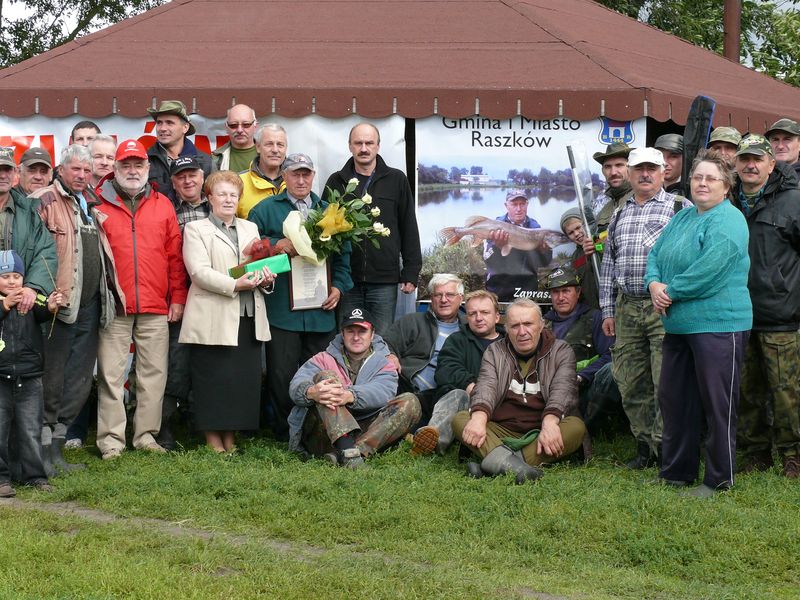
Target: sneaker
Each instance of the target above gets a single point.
(6, 491)
(112, 453)
(425, 440)
(42, 485)
(757, 461)
(73, 443)
(153, 447)
(791, 466)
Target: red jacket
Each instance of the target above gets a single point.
(144, 250)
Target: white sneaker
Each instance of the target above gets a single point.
(74, 443)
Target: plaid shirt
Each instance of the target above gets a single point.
(633, 231)
(187, 213)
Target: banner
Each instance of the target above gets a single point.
(324, 140)
(510, 179)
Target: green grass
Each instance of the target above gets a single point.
(405, 528)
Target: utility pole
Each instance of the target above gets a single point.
(732, 27)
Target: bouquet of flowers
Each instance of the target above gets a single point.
(324, 232)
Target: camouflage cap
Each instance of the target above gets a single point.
(297, 161)
(755, 144)
(562, 277)
(7, 156)
(729, 135)
(672, 142)
(617, 149)
(172, 107)
(515, 193)
(787, 125)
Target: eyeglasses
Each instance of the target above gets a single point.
(448, 295)
(243, 125)
(709, 178)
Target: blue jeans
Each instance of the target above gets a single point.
(379, 299)
(21, 408)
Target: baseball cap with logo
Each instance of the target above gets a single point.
(513, 194)
(10, 262)
(729, 135)
(755, 144)
(131, 149)
(562, 277)
(172, 107)
(614, 150)
(7, 156)
(639, 156)
(787, 125)
(294, 162)
(36, 156)
(183, 163)
(358, 316)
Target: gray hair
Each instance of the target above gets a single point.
(443, 279)
(102, 137)
(77, 153)
(268, 126)
(525, 303)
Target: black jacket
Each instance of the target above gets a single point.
(391, 193)
(460, 360)
(774, 225)
(159, 166)
(23, 354)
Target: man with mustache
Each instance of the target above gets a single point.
(35, 171)
(769, 406)
(142, 249)
(625, 303)
(615, 169)
(237, 154)
(377, 271)
(784, 136)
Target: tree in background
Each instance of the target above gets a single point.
(50, 23)
(770, 29)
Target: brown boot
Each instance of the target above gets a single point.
(757, 461)
(791, 466)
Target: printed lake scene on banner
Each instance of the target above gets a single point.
(491, 193)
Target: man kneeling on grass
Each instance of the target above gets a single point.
(345, 404)
(521, 409)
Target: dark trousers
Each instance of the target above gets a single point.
(21, 411)
(380, 299)
(69, 357)
(700, 383)
(286, 351)
(179, 379)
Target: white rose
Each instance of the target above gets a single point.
(375, 212)
(378, 227)
(353, 181)
(366, 199)
(386, 232)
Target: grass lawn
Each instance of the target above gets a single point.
(263, 524)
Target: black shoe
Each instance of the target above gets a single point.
(643, 459)
(165, 438)
(474, 470)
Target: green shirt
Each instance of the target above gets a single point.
(240, 159)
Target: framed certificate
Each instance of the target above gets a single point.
(309, 284)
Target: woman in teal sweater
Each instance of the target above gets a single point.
(697, 278)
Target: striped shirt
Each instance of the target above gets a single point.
(633, 231)
(187, 213)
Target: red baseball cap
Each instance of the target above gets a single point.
(131, 149)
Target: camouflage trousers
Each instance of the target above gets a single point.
(769, 405)
(636, 365)
(324, 426)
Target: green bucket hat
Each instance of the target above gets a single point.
(172, 107)
(617, 149)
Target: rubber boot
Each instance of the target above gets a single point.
(643, 458)
(502, 460)
(57, 457)
(47, 461)
(165, 438)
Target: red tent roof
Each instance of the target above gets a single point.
(416, 58)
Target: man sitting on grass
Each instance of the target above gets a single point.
(345, 404)
(521, 408)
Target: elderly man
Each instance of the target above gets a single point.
(239, 152)
(65, 207)
(416, 339)
(769, 408)
(671, 147)
(172, 130)
(264, 177)
(513, 273)
(457, 370)
(83, 133)
(784, 136)
(725, 140)
(35, 171)
(614, 163)
(377, 271)
(296, 335)
(346, 406)
(22, 230)
(582, 328)
(633, 230)
(521, 413)
(102, 148)
(142, 245)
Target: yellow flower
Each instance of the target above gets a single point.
(333, 221)
(366, 199)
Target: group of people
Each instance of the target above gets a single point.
(124, 245)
